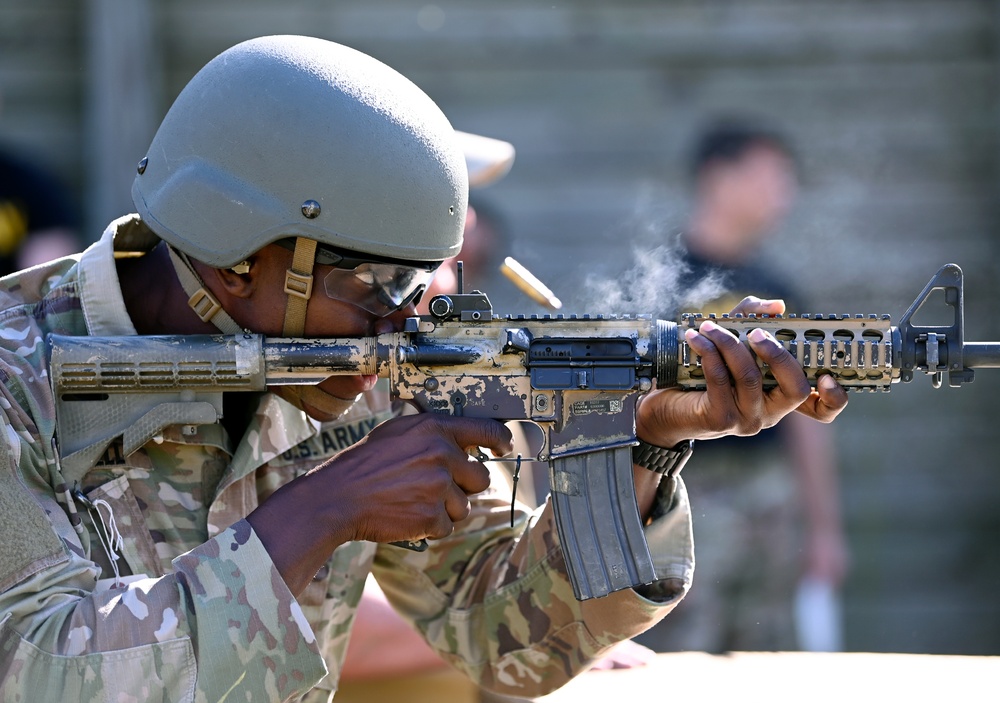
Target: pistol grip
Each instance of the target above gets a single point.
(597, 517)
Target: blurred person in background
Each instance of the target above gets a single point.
(38, 217)
(767, 522)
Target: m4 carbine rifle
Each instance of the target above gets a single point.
(577, 377)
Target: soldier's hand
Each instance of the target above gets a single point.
(410, 478)
(735, 401)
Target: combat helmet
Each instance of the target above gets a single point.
(292, 139)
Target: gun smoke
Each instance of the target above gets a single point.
(654, 284)
(657, 280)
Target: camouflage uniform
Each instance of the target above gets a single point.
(204, 614)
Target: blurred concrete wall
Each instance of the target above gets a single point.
(892, 103)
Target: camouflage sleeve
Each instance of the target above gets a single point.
(496, 602)
(222, 623)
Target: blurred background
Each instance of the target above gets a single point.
(892, 106)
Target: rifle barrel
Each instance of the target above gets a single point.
(981, 355)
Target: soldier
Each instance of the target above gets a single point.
(298, 187)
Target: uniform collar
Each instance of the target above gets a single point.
(100, 291)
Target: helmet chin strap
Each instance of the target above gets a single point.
(298, 288)
(205, 305)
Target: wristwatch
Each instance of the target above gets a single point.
(662, 460)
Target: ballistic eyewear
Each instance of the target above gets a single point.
(378, 285)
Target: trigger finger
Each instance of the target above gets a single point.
(477, 432)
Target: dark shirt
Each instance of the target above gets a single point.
(736, 282)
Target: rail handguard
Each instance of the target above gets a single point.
(577, 377)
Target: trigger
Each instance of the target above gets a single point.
(478, 454)
(412, 545)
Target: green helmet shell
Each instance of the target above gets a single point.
(297, 136)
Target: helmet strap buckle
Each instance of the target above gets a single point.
(204, 304)
(298, 286)
(201, 301)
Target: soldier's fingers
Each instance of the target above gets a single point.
(826, 402)
(793, 387)
(471, 477)
(479, 432)
(457, 504)
(718, 383)
(752, 305)
(746, 377)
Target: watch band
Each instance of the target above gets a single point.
(663, 460)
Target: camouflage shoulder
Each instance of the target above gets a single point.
(31, 541)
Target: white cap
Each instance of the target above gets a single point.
(487, 159)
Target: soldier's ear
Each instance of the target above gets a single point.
(240, 280)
